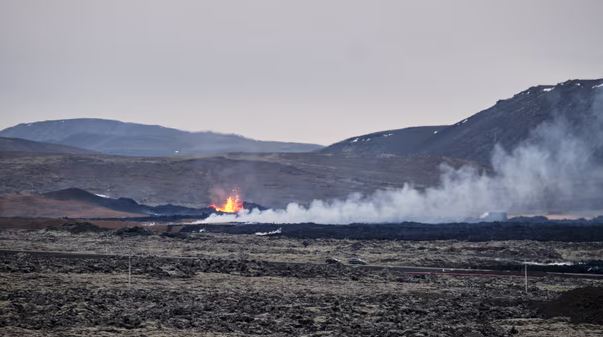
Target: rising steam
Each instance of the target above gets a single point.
(555, 169)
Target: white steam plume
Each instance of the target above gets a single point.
(555, 169)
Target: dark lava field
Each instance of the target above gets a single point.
(137, 283)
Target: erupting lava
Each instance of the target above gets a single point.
(233, 204)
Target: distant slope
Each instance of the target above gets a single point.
(122, 204)
(400, 142)
(271, 180)
(510, 121)
(28, 146)
(131, 139)
(33, 205)
(507, 123)
(74, 202)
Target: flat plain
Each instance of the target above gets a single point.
(60, 283)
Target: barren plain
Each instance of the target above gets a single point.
(210, 284)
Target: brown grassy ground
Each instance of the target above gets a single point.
(38, 206)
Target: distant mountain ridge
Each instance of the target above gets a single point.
(132, 139)
(507, 123)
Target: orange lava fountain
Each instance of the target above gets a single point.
(233, 204)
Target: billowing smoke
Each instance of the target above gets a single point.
(555, 169)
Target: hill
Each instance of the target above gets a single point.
(75, 202)
(131, 139)
(399, 142)
(17, 145)
(507, 123)
(33, 205)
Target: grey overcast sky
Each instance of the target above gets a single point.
(309, 70)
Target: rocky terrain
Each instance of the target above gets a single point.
(580, 230)
(223, 285)
(135, 277)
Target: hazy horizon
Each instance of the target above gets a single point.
(314, 72)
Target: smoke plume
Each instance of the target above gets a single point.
(555, 169)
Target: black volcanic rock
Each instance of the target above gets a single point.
(582, 305)
(131, 139)
(252, 205)
(133, 231)
(552, 230)
(78, 227)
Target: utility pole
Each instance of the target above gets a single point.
(525, 270)
(129, 270)
(193, 293)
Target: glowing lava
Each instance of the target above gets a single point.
(233, 204)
